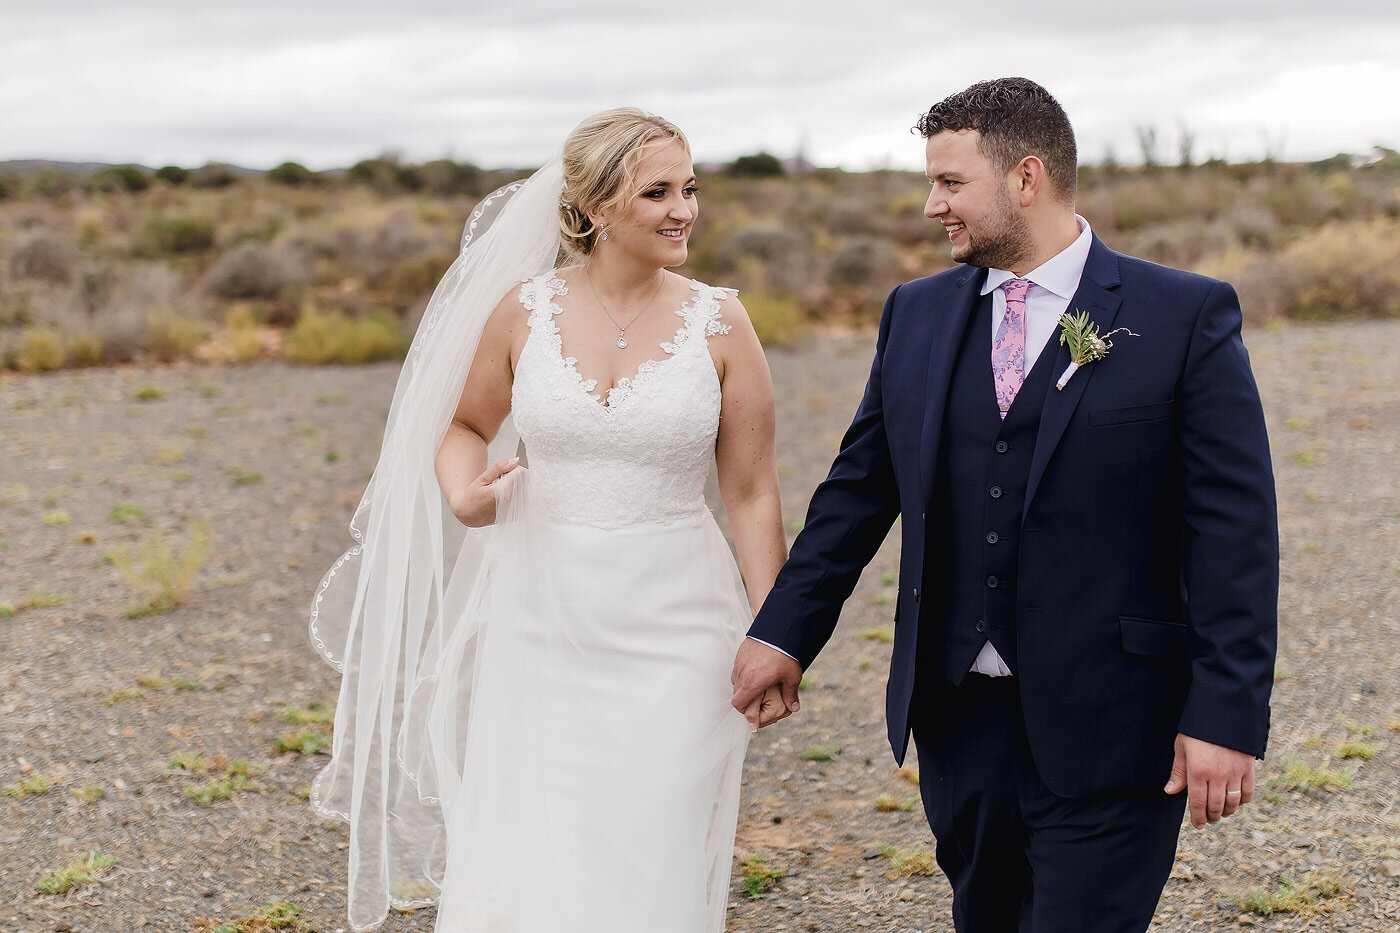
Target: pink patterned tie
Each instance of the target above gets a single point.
(1009, 347)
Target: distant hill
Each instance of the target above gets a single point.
(35, 166)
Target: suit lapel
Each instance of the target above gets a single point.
(1097, 296)
(946, 339)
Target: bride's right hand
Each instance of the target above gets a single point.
(476, 506)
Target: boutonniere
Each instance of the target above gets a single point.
(1085, 343)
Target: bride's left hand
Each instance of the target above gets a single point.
(766, 709)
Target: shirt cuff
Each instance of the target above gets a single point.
(774, 647)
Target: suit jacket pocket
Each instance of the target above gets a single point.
(1153, 637)
(1108, 416)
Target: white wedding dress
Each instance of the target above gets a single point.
(601, 760)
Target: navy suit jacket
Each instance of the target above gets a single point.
(1147, 588)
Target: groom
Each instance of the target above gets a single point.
(1087, 610)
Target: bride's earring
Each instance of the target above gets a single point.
(604, 235)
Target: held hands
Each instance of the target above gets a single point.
(765, 684)
(1217, 780)
(475, 507)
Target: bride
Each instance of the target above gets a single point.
(533, 727)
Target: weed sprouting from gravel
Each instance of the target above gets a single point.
(124, 512)
(889, 803)
(90, 793)
(57, 517)
(33, 786)
(240, 477)
(304, 742)
(1363, 750)
(826, 752)
(315, 714)
(759, 878)
(276, 915)
(1301, 776)
(77, 873)
(910, 863)
(148, 394)
(162, 570)
(1295, 897)
(880, 633)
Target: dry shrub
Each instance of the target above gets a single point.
(1344, 270)
(40, 351)
(162, 235)
(254, 271)
(322, 337)
(160, 568)
(172, 337)
(414, 278)
(776, 318)
(863, 261)
(45, 258)
(84, 350)
(783, 256)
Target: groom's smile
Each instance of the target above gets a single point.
(969, 197)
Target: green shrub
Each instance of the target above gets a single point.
(758, 165)
(52, 183)
(321, 337)
(84, 350)
(161, 235)
(170, 337)
(129, 178)
(214, 175)
(173, 174)
(292, 174)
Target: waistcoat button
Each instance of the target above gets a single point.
(993, 537)
(1001, 447)
(992, 582)
(996, 492)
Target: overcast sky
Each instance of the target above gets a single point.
(329, 82)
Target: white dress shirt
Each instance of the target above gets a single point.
(1053, 284)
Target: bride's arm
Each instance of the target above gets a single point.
(746, 456)
(461, 459)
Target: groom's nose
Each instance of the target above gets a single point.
(935, 206)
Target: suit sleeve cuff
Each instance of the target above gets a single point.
(774, 647)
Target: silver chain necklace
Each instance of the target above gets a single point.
(622, 328)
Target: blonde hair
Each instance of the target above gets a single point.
(600, 162)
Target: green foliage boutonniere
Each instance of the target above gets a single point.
(1085, 343)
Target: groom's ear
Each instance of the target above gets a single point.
(1029, 180)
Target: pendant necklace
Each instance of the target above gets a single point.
(622, 328)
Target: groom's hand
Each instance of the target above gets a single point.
(1217, 780)
(756, 668)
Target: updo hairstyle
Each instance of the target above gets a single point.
(600, 162)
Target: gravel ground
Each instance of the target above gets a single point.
(275, 457)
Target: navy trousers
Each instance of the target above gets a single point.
(1020, 858)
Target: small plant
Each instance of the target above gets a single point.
(242, 478)
(910, 774)
(759, 879)
(332, 456)
(1290, 896)
(162, 570)
(806, 683)
(124, 512)
(192, 762)
(825, 752)
(278, 915)
(181, 682)
(6, 610)
(221, 789)
(332, 399)
(33, 786)
(78, 873)
(1298, 424)
(889, 803)
(321, 337)
(38, 599)
(304, 742)
(1299, 775)
(148, 394)
(57, 517)
(121, 695)
(1357, 728)
(880, 633)
(910, 863)
(41, 351)
(315, 714)
(887, 579)
(1354, 749)
(90, 793)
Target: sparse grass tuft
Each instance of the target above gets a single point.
(33, 786)
(1299, 775)
(90, 793)
(1357, 728)
(274, 916)
(38, 599)
(57, 517)
(220, 789)
(121, 695)
(315, 714)
(148, 394)
(1290, 896)
(759, 879)
(910, 774)
(162, 570)
(880, 633)
(241, 477)
(824, 752)
(77, 873)
(889, 803)
(910, 863)
(123, 512)
(1354, 749)
(304, 742)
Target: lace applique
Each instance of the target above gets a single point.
(646, 454)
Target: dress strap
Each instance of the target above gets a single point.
(702, 316)
(537, 296)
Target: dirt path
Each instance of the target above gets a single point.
(275, 457)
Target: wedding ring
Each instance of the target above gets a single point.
(1232, 793)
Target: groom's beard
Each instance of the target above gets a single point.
(1001, 241)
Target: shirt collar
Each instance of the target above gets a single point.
(1060, 273)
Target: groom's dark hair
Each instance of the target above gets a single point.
(1016, 118)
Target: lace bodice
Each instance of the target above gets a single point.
(645, 454)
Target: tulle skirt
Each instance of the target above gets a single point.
(600, 758)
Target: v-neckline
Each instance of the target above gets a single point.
(625, 384)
